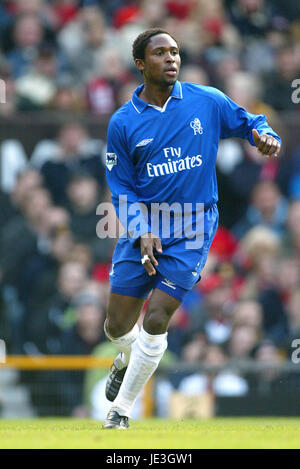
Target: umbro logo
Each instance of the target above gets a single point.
(144, 142)
(168, 283)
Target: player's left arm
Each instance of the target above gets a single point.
(237, 122)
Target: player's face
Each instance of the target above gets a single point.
(162, 60)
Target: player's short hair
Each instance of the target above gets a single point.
(143, 39)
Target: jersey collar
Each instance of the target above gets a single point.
(139, 105)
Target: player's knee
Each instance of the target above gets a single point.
(156, 321)
(114, 328)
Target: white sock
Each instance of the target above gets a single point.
(124, 344)
(146, 354)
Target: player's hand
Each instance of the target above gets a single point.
(148, 242)
(266, 144)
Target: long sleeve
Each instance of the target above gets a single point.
(237, 122)
(121, 178)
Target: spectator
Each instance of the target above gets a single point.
(150, 14)
(245, 89)
(242, 342)
(68, 98)
(222, 382)
(212, 316)
(7, 210)
(12, 161)
(37, 87)
(288, 277)
(61, 250)
(277, 84)
(5, 17)
(82, 253)
(26, 182)
(262, 248)
(293, 312)
(37, 7)
(11, 205)
(11, 104)
(23, 251)
(195, 348)
(248, 313)
(260, 244)
(81, 339)
(45, 321)
(103, 87)
(87, 330)
(73, 151)
(227, 65)
(125, 92)
(269, 379)
(291, 241)
(64, 12)
(267, 208)
(28, 37)
(23, 237)
(83, 193)
(251, 17)
(194, 74)
(19, 8)
(84, 39)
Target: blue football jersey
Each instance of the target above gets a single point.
(168, 155)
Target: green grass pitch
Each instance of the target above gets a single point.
(228, 433)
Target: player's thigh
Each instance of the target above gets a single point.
(122, 313)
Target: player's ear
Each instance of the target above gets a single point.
(139, 64)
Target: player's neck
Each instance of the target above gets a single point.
(155, 95)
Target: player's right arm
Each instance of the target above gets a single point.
(149, 242)
(121, 179)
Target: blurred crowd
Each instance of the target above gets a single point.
(74, 57)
